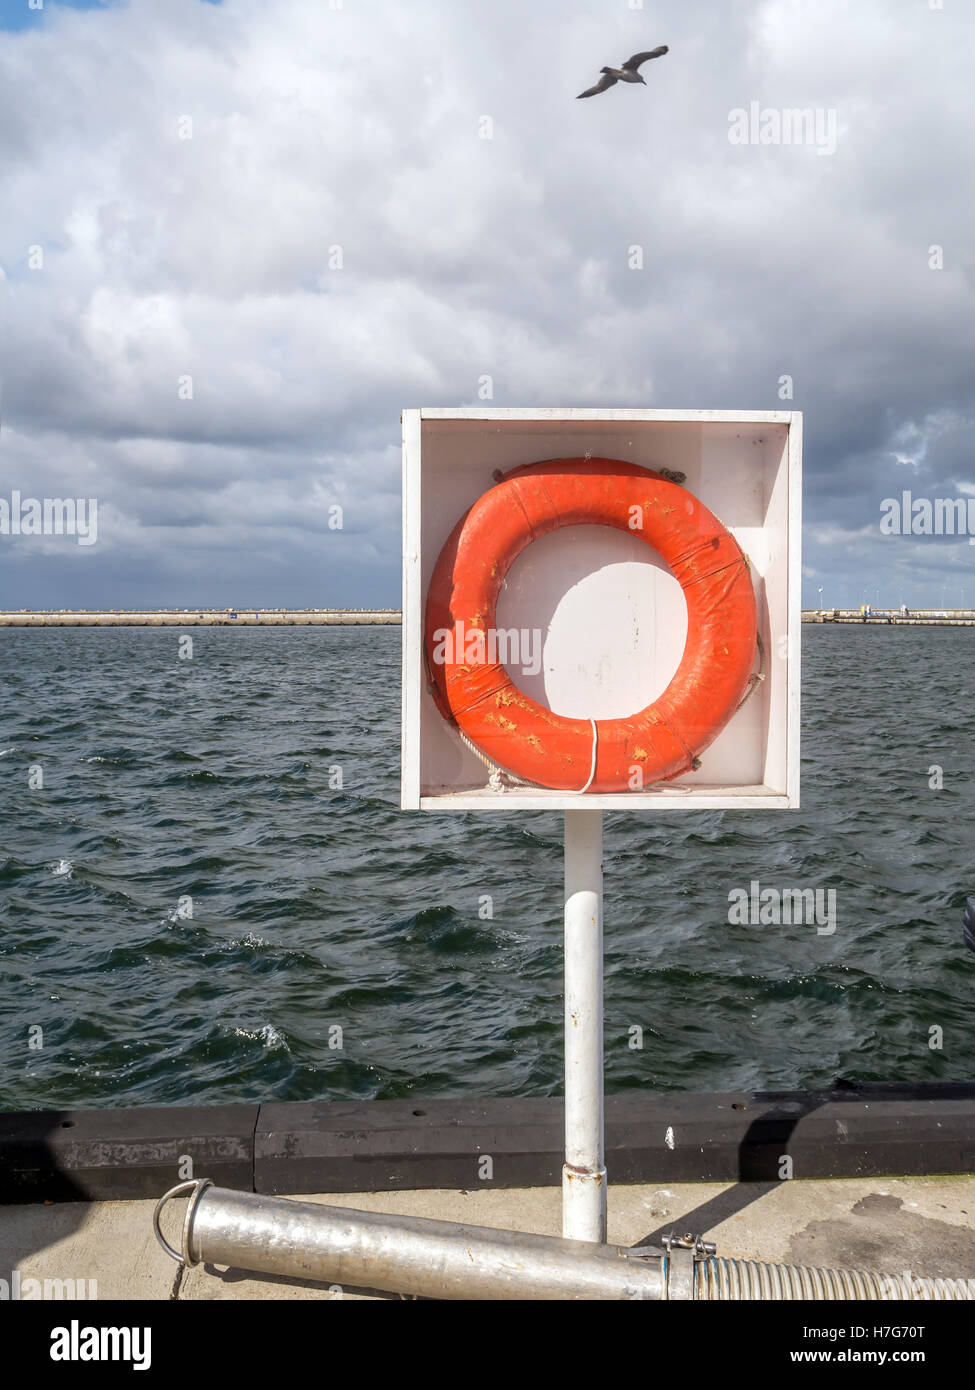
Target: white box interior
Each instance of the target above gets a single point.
(612, 613)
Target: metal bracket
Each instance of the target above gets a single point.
(679, 1283)
(703, 1249)
(682, 1251)
(677, 1255)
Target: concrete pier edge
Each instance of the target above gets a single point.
(851, 1131)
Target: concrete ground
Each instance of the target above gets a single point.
(925, 1225)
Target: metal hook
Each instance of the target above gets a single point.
(195, 1184)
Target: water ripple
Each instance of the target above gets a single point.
(195, 909)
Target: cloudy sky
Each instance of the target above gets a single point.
(178, 176)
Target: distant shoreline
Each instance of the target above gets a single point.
(204, 617)
(893, 617)
(372, 617)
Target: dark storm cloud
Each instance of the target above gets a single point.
(354, 134)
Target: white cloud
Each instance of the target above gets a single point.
(358, 128)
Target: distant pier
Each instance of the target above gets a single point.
(370, 617)
(913, 617)
(203, 617)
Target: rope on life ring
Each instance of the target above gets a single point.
(497, 779)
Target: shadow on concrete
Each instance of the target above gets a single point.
(760, 1154)
(229, 1277)
(879, 1232)
(29, 1167)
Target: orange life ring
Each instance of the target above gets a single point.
(512, 730)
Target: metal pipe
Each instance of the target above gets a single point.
(401, 1254)
(441, 1259)
(584, 1172)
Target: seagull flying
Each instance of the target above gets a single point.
(629, 72)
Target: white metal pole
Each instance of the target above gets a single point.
(584, 1173)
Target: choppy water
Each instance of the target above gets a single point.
(316, 907)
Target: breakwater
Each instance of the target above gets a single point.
(202, 617)
(913, 617)
(351, 617)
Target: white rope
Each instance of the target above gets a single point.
(755, 680)
(496, 780)
(592, 770)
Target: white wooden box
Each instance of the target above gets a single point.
(613, 613)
